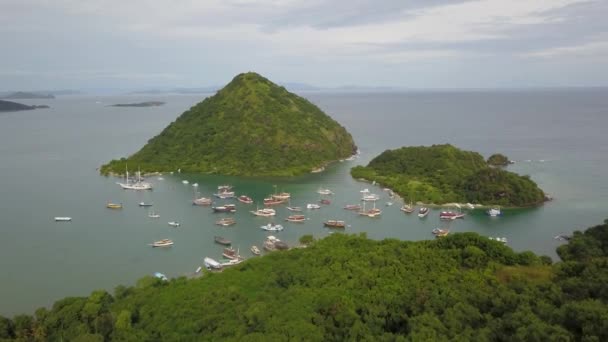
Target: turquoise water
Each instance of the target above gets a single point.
(50, 159)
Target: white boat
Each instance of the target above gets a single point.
(370, 198)
(185, 181)
(312, 206)
(364, 191)
(423, 212)
(325, 192)
(162, 243)
(144, 204)
(388, 204)
(174, 224)
(195, 185)
(294, 208)
(232, 262)
(494, 212)
(211, 264)
(63, 219)
(138, 185)
(266, 212)
(272, 227)
(152, 214)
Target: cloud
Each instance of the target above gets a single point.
(597, 48)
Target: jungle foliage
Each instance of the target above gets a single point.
(444, 174)
(251, 127)
(463, 287)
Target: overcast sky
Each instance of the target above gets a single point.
(53, 44)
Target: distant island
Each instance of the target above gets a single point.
(9, 106)
(27, 95)
(139, 104)
(442, 174)
(251, 127)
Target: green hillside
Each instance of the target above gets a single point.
(463, 287)
(251, 127)
(444, 174)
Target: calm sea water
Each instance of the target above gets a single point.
(50, 159)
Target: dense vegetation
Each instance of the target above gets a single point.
(498, 160)
(9, 106)
(444, 174)
(250, 127)
(464, 287)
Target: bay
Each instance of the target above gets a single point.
(50, 159)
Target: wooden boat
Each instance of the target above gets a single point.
(174, 224)
(352, 207)
(296, 218)
(225, 221)
(230, 253)
(245, 199)
(226, 208)
(272, 201)
(334, 224)
(283, 196)
(450, 215)
(374, 212)
(144, 204)
(114, 205)
(255, 250)
(63, 219)
(222, 240)
(266, 212)
(162, 243)
(139, 184)
(272, 227)
(423, 212)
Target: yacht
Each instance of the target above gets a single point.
(138, 185)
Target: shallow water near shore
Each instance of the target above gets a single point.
(50, 159)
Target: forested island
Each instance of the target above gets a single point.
(9, 106)
(251, 127)
(463, 287)
(140, 104)
(27, 95)
(442, 174)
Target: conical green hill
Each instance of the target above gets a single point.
(251, 127)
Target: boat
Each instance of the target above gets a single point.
(211, 264)
(388, 204)
(494, 212)
(224, 187)
(324, 201)
(294, 208)
(440, 232)
(255, 250)
(272, 201)
(312, 206)
(225, 221)
(266, 212)
(162, 243)
(450, 215)
(296, 218)
(230, 253)
(152, 214)
(195, 185)
(325, 192)
(226, 208)
(374, 212)
(232, 262)
(470, 206)
(224, 194)
(144, 204)
(282, 196)
(62, 219)
(185, 181)
(334, 224)
(370, 198)
(174, 224)
(114, 205)
(222, 240)
(423, 212)
(272, 227)
(245, 199)
(161, 276)
(272, 244)
(407, 208)
(364, 191)
(139, 184)
(202, 201)
(352, 207)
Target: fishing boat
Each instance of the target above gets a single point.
(222, 240)
(63, 219)
(407, 208)
(230, 253)
(439, 232)
(162, 243)
(225, 221)
(423, 212)
(272, 227)
(450, 215)
(211, 264)
(370, 198)
(255, 250)
(245, 199)
(494, 212)
(334, 224)
(296, 218)
(325, 192)
(202, 201)
(313, 206)
(226, 208)
(152, 214)
(352, 207)
(144, 204)
(266, 212)
(174, 224)
(114, 205)
(139, 184)
(324, 201)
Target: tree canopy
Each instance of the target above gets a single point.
(443, 174)
(462, 287)
(498, 160)
(251, 127)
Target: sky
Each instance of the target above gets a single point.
(143, 44)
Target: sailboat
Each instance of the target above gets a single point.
(152, 214)
(139, 185)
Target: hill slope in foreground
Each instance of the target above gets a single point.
(251, 127)
(462, 287)
(445, 174)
